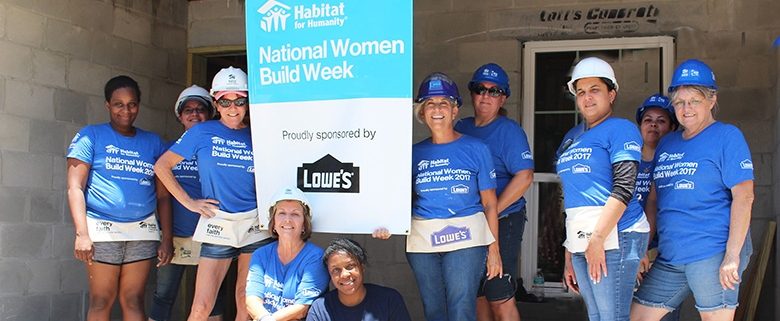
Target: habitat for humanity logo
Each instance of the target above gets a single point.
(111, 149)
(275, 15)
(329, 175)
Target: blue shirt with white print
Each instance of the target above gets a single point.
(120, 186)
(184, 220)
(299, 281)
(448, 177)
(585, 164)
(509, 148)
(693, 180)
(227, 172)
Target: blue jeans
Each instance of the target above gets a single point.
(168, 281)
(510, 237)
(448, 282)
(610, 299)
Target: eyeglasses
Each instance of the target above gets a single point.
(492, 91)
(681, 103)
(190, 111)
(239, 102)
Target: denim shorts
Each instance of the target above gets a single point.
(214, 251)
(667, 285)
(124, 252)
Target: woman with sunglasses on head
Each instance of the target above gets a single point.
(489, 87)
(451, 245)
(606, 229)
(228, 226)
(193, 107)
(703, 187)
(113, 197)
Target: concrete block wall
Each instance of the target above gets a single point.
(56, 57)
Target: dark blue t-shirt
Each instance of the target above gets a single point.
(508, 145)
(380, 304)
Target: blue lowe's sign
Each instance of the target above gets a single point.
(301, 50)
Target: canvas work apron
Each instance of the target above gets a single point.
(450, 234)
(108, 231)
(236, 229)
(580, 223)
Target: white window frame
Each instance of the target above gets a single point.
(530, 49)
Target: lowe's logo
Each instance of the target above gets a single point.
(459, 189)
(580, 169)
(746, 164)
(633, 146)
(329, 175)
(527, 155)
(683, 184)
(450, 234)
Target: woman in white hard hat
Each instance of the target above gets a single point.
(346, 262)
(606, 229)
(228, 225)
(703, 183)
(452, 242)
(287, 275)
(193, 106)
(113, 197)
(489, 87)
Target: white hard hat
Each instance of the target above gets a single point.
(193, 92)
(288, 194)
(591, 67)
(229, 79)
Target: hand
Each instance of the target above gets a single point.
(494, 266)
(644, 266)
(569, 278)
(83, 249)
(381, 233)
(164, 253)
(204, 207)
(597, 260)
(729, 271)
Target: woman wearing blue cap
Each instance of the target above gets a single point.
(703, 180)
(455, 222)
(508, 144)
(597, 162)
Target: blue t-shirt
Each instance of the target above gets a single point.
(448, 177)
(298, 282)
(120, 186)
(508, 145)
(227, 173)
(184, 220)
(380, 304)
(585, 164)
(693, 179)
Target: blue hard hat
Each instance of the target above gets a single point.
(493, 73)
(693, 72)
(657, 101)
(438, 84)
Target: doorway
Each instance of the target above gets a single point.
(643, 66)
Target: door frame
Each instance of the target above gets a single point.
(529, 252)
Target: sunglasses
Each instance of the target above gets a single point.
(492, 91)
(238, 102)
